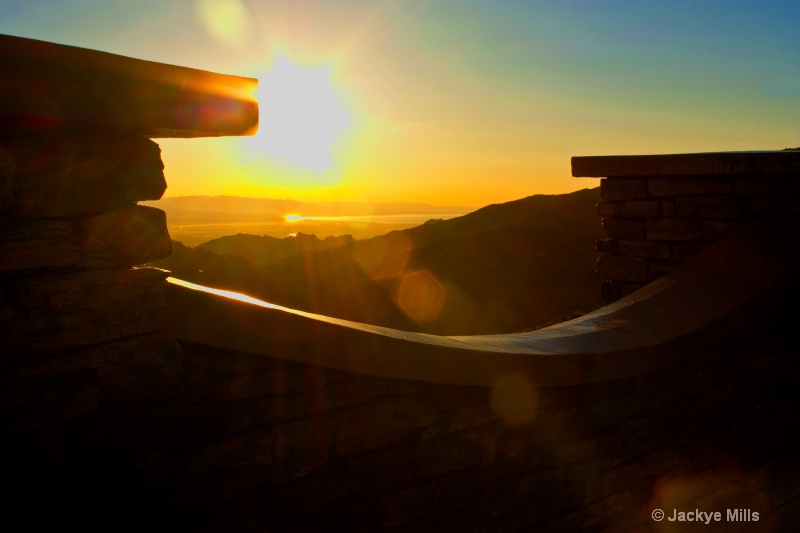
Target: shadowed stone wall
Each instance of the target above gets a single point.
(109, 425)
(656, 222)
(282, 446)
(81, 328)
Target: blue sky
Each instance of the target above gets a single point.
(501, 93)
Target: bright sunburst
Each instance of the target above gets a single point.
(302, 116)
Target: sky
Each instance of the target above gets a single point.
(452, 102)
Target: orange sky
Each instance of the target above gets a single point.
(456, 102)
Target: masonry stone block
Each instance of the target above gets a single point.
(608, 209)
(713, 230)
(249, 448)
(609, 290)
(619, 268)
(789, 205)
(395, 467)
(618, 228)
(71, 309)
(608, 246)
(36, 245)
(383, 424)
(622, 188)
(302, 446)
(652, 249)
(668, 208)
(629, 287)
(55, 176)
(688, 185)
(640, 209)
(656, 269)
(138, 370)
(707, 207)
(40, 404)
(124, 237)
(674, 229)
(767, 186)
(681, 251)
(406, 504)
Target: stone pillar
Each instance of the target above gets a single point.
(660, 210)
(81, 325)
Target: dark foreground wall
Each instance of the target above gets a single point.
(262, 444)
(107, 424)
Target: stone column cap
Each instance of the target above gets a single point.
(778, 162)
(53, 88)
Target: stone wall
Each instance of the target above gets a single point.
(108, 424)
(654, 223)
(81, 327)
(272, 445)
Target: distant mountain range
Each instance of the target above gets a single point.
(506, 267)
(216, 209)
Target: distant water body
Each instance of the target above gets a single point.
(359, 226)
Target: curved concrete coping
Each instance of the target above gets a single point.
(670, 319)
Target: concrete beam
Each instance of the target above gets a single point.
(54, 88)
(780, 162)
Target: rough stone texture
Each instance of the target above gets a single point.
(688, 185)
(608, 246)
(75, 175)
(766, 186)
(55, 312)
(366, 453)
(608, 209)
(707, 207)
(755, 207)
(676, 216)
(138, 370)
(713, 230)
(674, 229)
(626, 288)
(656, 269)
(640, 209)
(622, 188)
(609, 290)
(653, 249)
(123, 237)
(619, 268)
(787, 205)
(668, 208)
(683, 251)
(617, 228)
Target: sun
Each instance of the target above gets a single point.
(293, 218)
(302, 114)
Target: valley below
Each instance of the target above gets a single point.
(507, 267)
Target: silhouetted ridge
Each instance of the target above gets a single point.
(505, 267)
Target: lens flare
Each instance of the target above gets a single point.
(421, 296)
(226, 20)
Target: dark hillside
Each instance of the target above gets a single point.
(506, 267)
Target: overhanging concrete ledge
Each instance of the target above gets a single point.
(52, 88)
(672, 318)
(779, 162)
